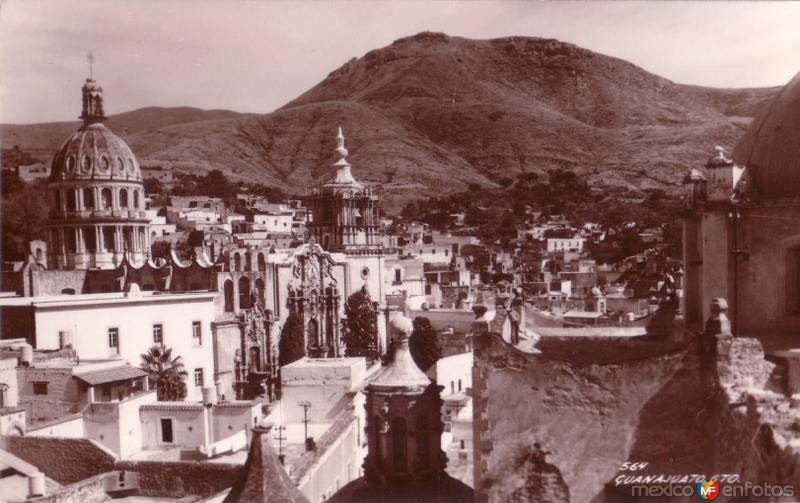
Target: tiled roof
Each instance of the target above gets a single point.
(115, 374)
(177, 405)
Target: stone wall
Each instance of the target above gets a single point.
(65, 460)
(62, 398)
(759, 431)
(555, 429)
(54, 282)
(91, 490)
(558, 425)
(178, 479)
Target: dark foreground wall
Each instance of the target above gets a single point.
(555, 430)
(560, 429)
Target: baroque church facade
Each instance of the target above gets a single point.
(99, 241)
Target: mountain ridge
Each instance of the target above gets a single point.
(431, 113)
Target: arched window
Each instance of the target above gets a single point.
(377, 427)
(260, 289)
(123, 198)
(399, 458)
(136, 199)
(228, 292)
(89, 239)
(244, 292)
(247, 264)
(4, 401)
(72, 240)
(105, 196)
(88, 198)
(108, 239)
(237, 262)
(255, 359)
(72, 203)
(313, 333)
(423, 443)
(262, 264)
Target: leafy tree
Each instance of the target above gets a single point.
(292, 344)
(153, 186)
(361, 334)
(167, 374)
(24, 216)
(160, 249)
(423, 344)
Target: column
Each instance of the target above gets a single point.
(134, 239)
(118, 237)
(79, 199)
(101, 246)
(79, 245)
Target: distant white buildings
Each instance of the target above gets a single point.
(574, 243)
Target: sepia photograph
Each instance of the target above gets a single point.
(399, 251)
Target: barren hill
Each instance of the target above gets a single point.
(432, 113)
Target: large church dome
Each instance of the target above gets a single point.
(771, 146)
(92, 153)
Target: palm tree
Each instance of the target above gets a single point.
(167, 374)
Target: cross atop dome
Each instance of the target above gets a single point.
(92, 111)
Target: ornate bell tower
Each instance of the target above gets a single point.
(344, 216)
(404, 419)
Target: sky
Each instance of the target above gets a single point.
(254, 56)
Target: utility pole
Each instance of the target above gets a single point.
(305, 405)
(280, 438)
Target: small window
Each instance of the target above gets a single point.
(158, 334)
(197, 334)
(459, 385)
(166, 431)
(113, 340)
(40, 387)
(397, 274)
(198, 377)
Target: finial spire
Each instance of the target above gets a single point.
(90, 59)
(340, 148)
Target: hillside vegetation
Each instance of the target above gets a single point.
(432, 113)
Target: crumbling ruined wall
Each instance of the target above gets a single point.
(567, 426)
(758, 428)
(559, 429)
